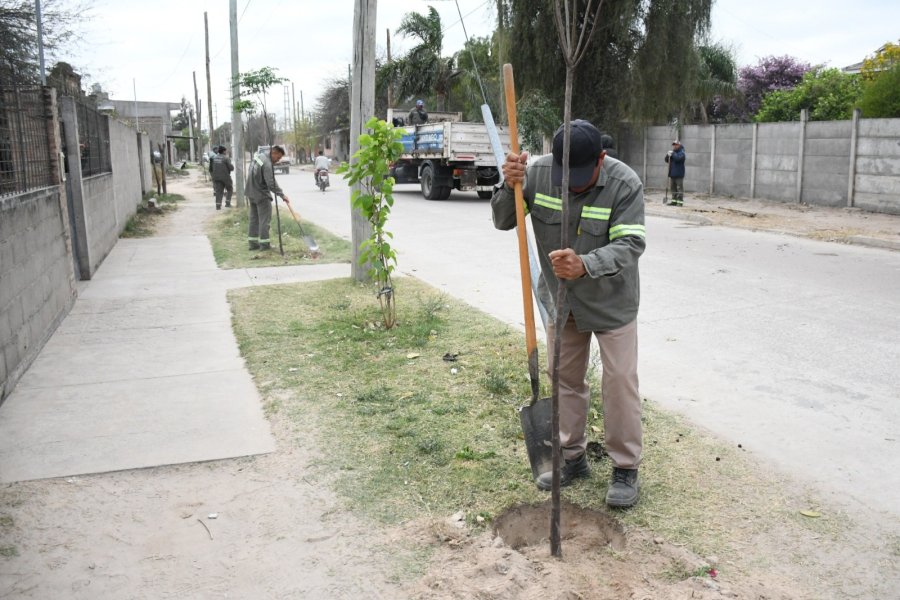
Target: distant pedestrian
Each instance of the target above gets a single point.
(418, 116)
(675, 158)
(260, 186)
(609, 146)
(156, 159)
(220, 169)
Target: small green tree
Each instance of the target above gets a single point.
(256, 84)
(370, 167)
(881, 95)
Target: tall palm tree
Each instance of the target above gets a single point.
(716, 77)
(423, 72)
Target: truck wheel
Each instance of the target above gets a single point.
(485, 194)
(444, 192)
(429, 190)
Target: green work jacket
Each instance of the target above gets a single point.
(606, 230)
(261, 182)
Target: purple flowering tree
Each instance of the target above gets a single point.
(770, 74)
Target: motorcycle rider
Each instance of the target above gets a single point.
(323, 163)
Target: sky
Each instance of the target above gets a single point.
(156, 46)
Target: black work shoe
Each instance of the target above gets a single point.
(218, 207)
(577, 467)
(265, 246)
(254, 246)
(623, 488)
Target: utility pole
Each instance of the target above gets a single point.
(209, 102)
(362, 106)
(390, 99)
(199, 123)
(302, 113)
(236, 142)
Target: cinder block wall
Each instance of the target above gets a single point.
(659, 141)
(820, 155)
(734, 153)
(100, 222)
(697, 142)
(777, 159)
(37, 283)
(126, 167)
(826, 165)
(877, 180)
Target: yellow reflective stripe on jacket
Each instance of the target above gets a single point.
(623, 230)
(593, 212)
(548, 202)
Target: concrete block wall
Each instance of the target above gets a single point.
(826, 167)
(698, 145)
(734, 155)
(659, 141)
(37, 283)
(876, 185)
(852, 163)
(777, 161)
(126, 171)
(101, 230)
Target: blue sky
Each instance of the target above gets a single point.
(160, 43)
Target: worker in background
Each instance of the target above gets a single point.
(220, 169)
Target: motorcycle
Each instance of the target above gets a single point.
(322, 179)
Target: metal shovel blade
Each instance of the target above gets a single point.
(536, 426)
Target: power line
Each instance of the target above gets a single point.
(178, 64)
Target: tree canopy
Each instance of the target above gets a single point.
(828, 94)
(18, 35)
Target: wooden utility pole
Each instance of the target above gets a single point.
(209, 102)
(390, 96)
(362, 106)
(237, 147)
(199, 146)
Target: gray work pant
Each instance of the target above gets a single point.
(621, 400)
(221, 186)
(677, 189)
(260, 218)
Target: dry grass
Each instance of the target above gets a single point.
(411, 440)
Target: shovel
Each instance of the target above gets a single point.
(536, 417)
(307, 239)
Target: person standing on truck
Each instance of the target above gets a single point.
(220, 168)
(600, 270)
(417, 116)
(260, 186)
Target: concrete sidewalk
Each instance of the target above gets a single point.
(145, 370)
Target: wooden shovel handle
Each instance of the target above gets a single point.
(528, 305)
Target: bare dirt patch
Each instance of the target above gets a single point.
(815, 222)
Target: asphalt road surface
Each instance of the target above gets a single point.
(787, 346)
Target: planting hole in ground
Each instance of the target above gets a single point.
(529, 525)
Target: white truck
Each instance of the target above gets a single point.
(447, 154)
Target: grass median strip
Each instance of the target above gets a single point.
(421, 420)
(228, 235)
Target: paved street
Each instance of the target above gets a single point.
(785, 345)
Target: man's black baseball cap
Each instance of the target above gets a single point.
(584, 149)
